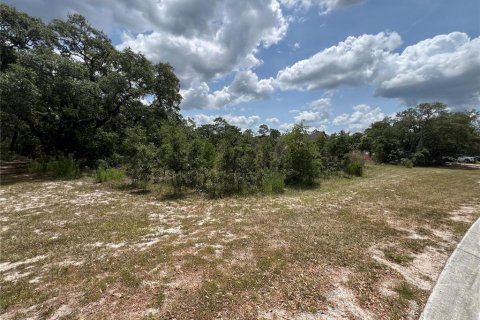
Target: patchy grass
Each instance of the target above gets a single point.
(398, 258)
(405, 291)
(370, 246)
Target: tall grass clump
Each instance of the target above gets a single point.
(354, 164)
(274, 182)
(63, 167)
(407, 163)
(110, 174)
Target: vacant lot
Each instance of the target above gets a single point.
(365, 248)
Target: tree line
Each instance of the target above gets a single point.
(70, 99)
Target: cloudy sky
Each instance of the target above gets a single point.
(333, 64)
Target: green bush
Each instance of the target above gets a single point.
(407, 163)
(274, 182)
(354, 164)
(111, 174)
(37, 166)
(354, 168)
(63, 168)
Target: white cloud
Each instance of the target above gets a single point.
(308, 117)
(321, 104)
(273, 120)
(201, 40)
(316, 114)
(285, 127)
(244, 87)
(325, 6)
(360, 119)
(351, 62)
(445, 68)
(244, 122)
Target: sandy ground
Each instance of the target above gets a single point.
(77, 249)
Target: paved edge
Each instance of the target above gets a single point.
(456, 294)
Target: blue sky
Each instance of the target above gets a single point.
(333, 64)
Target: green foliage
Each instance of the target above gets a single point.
(426, 135)
(301, 162)
(354, 168)
(109, 174)
(80, 101)
(273, 182)
(140, 156)
(37, 166)
(354, 164)
(60, 167)
(407, 163)
(63, 167)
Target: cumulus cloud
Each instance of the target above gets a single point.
(445, 68)
(351, 62)
(204, 42)
(273, 120)
(285, 127)
(315, 114)
(244, 122)
(325, 6)
(360, 119)
(245, 87)
(200, 40)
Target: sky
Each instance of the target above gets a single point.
(331, 64)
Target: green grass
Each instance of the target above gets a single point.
(398, 258)
(110, 174)
(405, 291)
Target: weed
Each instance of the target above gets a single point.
(110, 174)
(405, 291)
(397, 258)
(407, 163)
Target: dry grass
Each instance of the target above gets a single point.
(365, 248)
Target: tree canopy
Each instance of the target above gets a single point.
(64, 85)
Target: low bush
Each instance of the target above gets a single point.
(354, 168)
(37, 166)
(354, 164)
(407, 163)
(63, 167)
(111, 174)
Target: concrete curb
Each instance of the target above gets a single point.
(456, 295)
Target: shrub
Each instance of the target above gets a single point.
(111, 174)
(37, 166)
(274, 182)
(354, 168)
(407, 163)
(63, 167)
(354, 164)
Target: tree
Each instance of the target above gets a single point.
(75, 85)
(426, 135)
(300, 160)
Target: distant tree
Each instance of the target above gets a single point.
(426, 135)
